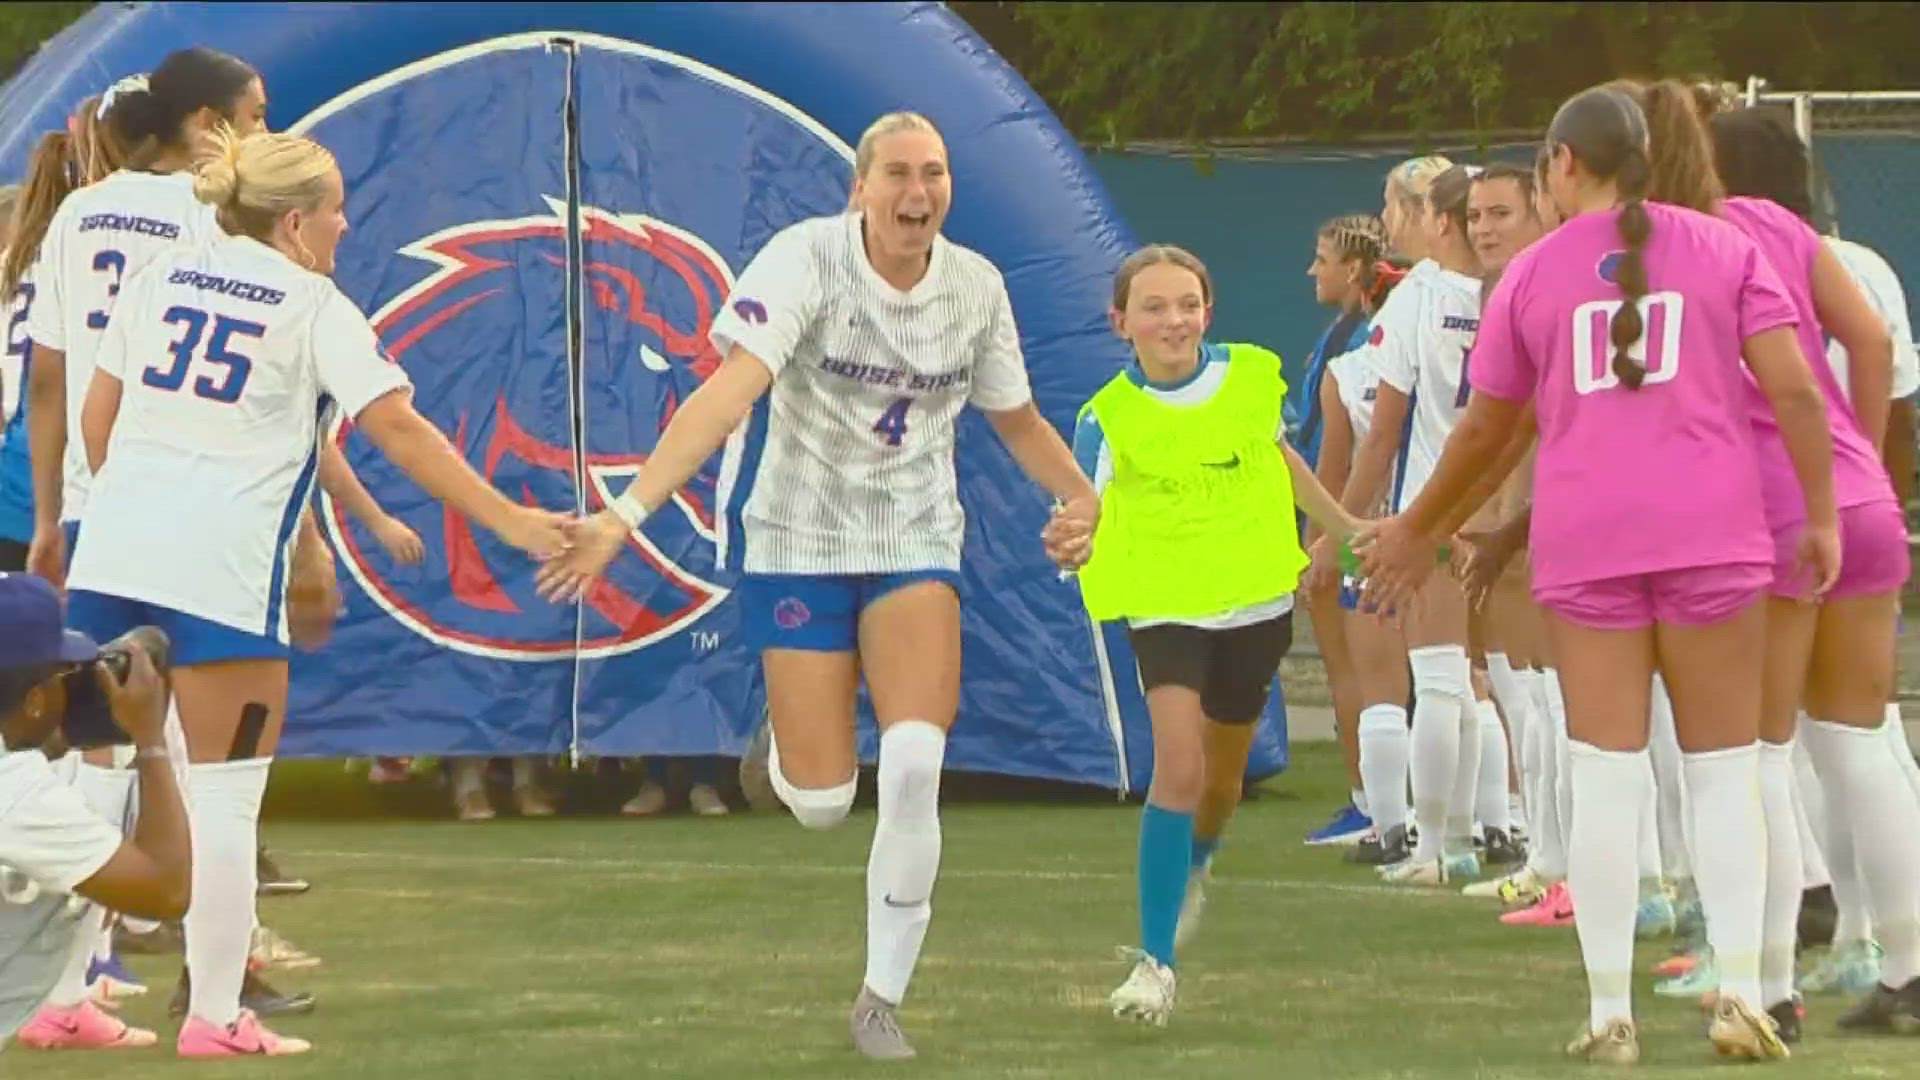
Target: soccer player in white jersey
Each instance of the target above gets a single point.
(851, 344)
(1419, 346)
(201, 426)
(100, 234)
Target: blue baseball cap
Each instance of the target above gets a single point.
(32, 628)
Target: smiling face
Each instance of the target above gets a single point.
(903, 194)
(1165, 317)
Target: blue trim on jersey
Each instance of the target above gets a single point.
(1305, 427)
(16, 467)
(1400, 459)
(752, 447)
(1087, 441)
(1210, 353)
(290, 521)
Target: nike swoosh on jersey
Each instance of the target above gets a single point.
(1227, 464)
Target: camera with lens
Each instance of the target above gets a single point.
(88, 722)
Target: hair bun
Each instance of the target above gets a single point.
(216, 172)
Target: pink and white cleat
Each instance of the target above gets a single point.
(82, 1027)
(1554, 908)
(246, 1035)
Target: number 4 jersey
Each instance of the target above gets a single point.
(100, 235)
(227, 356)
(846, 466)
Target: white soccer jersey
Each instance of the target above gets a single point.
(1418, 345)
(1359, 387)
(227, 354)
(101, 235)
(13, 362)
(50, 841)
(846, 466)
(1882, 288)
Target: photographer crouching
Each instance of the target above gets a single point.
(56, 853)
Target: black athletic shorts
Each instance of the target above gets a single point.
(13, 556)
(1231, 669)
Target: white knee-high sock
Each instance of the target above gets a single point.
(1864, 787)
(906, 854)
(1442, 686)
(1384, 746)
(1895, 729)
(1780, 917)
(1853, 922)
(224, 824)
(1723, 790)
(1600, 873)
(1516, 706)
(1670, 807)
(1466, 781)
(1647, 833)
(1548, 853)
(1809, 819)
(1491, 805)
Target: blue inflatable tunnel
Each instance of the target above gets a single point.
(547, 203)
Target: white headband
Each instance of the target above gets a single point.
(127, 85)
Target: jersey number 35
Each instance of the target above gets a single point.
(224, 385)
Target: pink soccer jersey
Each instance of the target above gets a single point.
(1635, 481)
(1859, 478)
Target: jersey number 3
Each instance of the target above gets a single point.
(1657, 349)
(232, 381)
(892, 425)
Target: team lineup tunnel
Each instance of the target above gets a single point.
(547, 204)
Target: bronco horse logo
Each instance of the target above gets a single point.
(469, 334)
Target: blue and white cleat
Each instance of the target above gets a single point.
(1348, 826)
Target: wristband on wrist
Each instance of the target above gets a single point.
(150, 753)
(629, 508)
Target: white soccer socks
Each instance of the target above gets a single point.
(813, 808)
(906, 854)
(1601, 865)
(1780, 916)
(1723, 793)
(1384, 746)
(1866, 790)
(223, 819)
(1442, 689)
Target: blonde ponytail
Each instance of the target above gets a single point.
(253, 182)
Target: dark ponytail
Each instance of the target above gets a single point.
(1606, 131)
(51, 177)
(148, 119)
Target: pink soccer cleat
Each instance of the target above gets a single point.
(82, 1027)
(1554, 908)
(246, 1035)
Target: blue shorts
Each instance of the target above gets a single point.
(194, 640)
(818, 612)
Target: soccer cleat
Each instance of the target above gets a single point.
(1696, 982)
(876, 1028)
(473, 805)
(1383, 851)
(1192, 907)
(1786, 1016)
(706, 802)
(1654, 917)
(1518, 889)
(1554, 908)
(1347, 826)
(255, 997)
(270, 950)
(1147, 995)
(1466, 864)
(756, 776)
(81, 1027)
(1501, 849)
(1618, 1044)
(1681, 962)
(1428, 873)
(1886, 1011)
(109, 981)
(1736, 1031)
(245, 1036)
(275, 882)
(648, 801)
(1851, 968)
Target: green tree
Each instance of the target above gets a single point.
(1334, 71)
(24, 27)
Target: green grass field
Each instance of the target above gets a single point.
(600, 947)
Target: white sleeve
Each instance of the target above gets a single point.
(46, 316)
(999, 371)
(47, 831)
(1393, 344)
(773, 301)
(353, 368)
